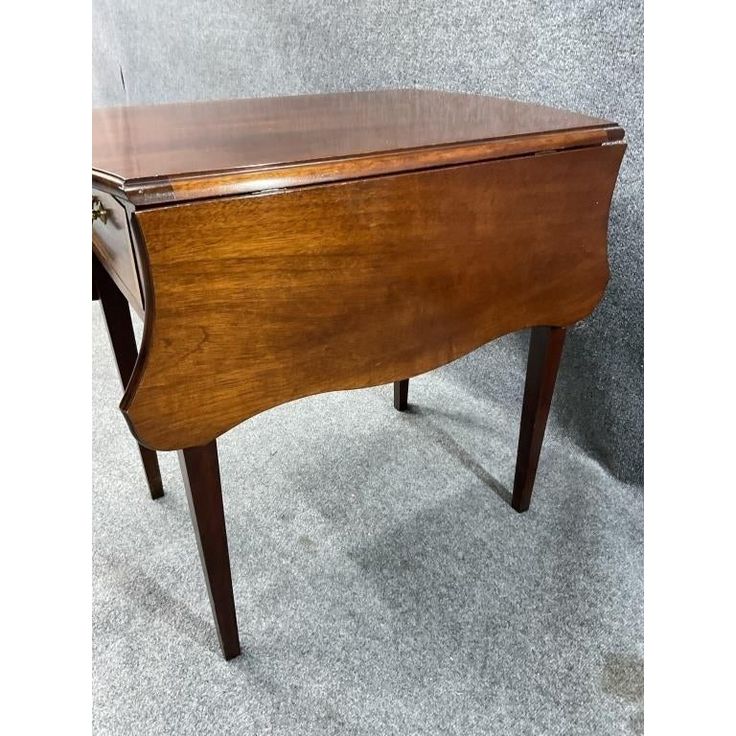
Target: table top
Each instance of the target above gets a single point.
(163, 153)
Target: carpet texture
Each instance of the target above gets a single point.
(383, 583)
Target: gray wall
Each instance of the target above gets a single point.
(586, 56)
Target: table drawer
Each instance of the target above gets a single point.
(112, 242)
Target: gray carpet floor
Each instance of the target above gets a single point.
(382, 581)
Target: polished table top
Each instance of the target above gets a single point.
(149, 149)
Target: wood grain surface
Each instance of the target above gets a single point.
(111, 243)
(179, 152)
(257, 300)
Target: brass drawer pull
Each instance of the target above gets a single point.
(98, 211)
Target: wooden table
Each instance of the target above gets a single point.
(279, 248)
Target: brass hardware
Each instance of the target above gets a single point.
(98, 211)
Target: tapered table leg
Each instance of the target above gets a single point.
(545, 350)
(201, 471)
(122, 338)
(401, 395)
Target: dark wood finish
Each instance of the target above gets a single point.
(122, 338)
(111, 243)
(164, 153)
(201, 471)
(545, 351)
(285, 247)
(401, 395)
(95, 295)
(358, 284)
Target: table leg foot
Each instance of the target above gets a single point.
(201, 471)
(122, 338)
(401, 395)
(545, 351)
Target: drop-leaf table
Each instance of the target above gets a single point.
(280, 248)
